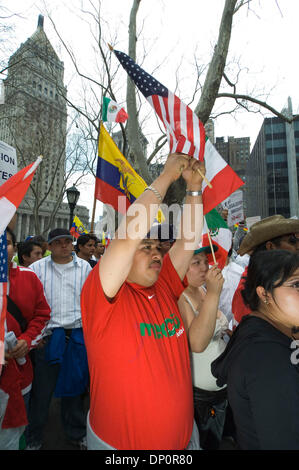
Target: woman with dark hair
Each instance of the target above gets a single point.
(260, 363)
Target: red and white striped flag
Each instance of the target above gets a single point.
(185, 133)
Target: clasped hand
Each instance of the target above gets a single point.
(179, 164)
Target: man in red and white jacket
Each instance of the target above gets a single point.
(27, 294)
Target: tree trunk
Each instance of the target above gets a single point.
(133, 129)
(217, 64)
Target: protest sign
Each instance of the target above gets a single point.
(234, 205)
(8, 162)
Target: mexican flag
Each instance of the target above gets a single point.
(112, 112)
(220, 234)
(222, 177)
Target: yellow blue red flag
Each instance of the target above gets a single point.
(116, 177)
(77, 228)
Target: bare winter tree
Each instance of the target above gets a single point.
(216, 78)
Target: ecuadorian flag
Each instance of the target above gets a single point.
(77, 228)
(116, 177)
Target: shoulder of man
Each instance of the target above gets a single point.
(38, 264)
(81, 262)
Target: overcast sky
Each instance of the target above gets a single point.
(264, 41)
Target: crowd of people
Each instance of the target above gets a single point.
(171, 352)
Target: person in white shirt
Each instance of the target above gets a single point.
(62, 275)
(199, 307)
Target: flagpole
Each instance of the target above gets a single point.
(204, 178)
(93, 215)
(95, 199)
(211, 245)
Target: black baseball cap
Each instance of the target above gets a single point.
(59, 233)
(163, 232)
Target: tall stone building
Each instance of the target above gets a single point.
(210, 130)
(34, 121)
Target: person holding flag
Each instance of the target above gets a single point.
(206, 326)
(141, 394)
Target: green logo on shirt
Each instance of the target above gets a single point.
(169, 327)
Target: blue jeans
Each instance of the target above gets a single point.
(73, 415)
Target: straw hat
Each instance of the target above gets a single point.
(266, 230)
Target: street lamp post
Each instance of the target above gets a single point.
(72, 195)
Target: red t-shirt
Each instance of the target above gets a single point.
(141, 386)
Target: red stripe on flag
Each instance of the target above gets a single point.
(202, 132)
(190, 133)
(180, 144)
(109, 195)
(157, 107)
(177, 117)
(165, 101)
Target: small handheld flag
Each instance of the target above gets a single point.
(112, 112)
(216, 232)
(77, 228)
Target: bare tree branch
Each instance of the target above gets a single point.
(256, 101)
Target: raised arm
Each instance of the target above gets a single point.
(117, 261)
(200, 328)
(191, 221)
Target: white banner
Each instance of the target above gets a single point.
(234, 205)
(8, 162)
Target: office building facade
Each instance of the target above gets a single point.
(273, 170)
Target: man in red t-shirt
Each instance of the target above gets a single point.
(137, 347)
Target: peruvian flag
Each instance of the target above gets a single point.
(13, 191)
(112, 112)
(220, 235)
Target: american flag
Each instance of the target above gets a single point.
(3, 293)
(185, 132)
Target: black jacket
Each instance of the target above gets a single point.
(260, 368)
